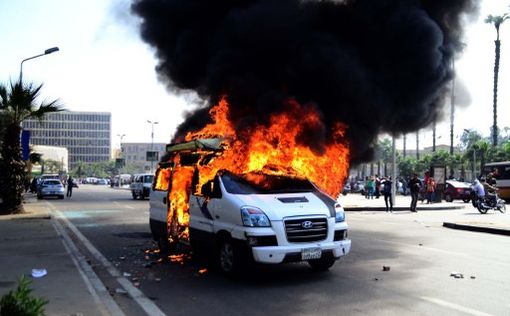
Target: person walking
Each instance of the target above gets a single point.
(70, 183)
(387, 183)
(414, 186)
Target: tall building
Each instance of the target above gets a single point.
(136, 154)
(86, 135)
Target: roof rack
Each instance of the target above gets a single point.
(212, 144)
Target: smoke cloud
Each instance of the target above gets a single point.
(380, 66)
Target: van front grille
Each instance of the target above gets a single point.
(306, 229)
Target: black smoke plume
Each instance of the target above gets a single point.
(376, 65)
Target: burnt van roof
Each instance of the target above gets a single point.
(213, 144)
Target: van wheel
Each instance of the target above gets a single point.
(322, 264)
(164, 245)
(448, 198)
(134, 195)
(228, 257)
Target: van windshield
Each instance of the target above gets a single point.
(258, 183)
(148, 179)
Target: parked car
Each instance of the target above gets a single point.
(50, 187)
(456, 190)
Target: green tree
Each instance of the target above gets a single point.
(497, 20)
(17, 103)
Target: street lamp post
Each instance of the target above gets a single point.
(46, 52)
(152, 142)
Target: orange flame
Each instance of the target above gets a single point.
(272, 149)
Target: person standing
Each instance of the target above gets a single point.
(387, 183)
(70, 183)
(431, 190)
(371, 187)
(414, 186)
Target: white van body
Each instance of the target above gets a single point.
(269, 227)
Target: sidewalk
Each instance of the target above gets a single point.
(31, 241)
(463, 216)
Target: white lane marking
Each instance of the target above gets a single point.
(126, 206)
(147, 305)
(101, 296)
(454, 306)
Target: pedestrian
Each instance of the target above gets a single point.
(414, 186)
(70, 183)
(377, 186)
(388, 200)
(371, 187)
(431, 190)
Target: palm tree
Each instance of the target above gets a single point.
(497, 21)
(17, 103)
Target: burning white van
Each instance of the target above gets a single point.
(256, 216)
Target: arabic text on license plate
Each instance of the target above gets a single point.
(311, 253)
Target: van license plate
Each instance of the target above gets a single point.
(311, 253)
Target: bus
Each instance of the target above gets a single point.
(501, 171)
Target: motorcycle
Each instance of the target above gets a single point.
(484, 204)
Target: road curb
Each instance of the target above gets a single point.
(481, 229)
(401, 208)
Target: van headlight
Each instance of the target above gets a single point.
(339, 213)
(339, 216)
(254, 217)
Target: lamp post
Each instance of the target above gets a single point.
(46, 52)
(152, 141)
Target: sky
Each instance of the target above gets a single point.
(103, 65)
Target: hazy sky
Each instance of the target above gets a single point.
(103, 65)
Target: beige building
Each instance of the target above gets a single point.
(136, 154)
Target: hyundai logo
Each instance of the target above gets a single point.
(307, 224)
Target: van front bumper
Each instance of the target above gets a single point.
(289, 253)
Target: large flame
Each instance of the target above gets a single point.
(272, 149)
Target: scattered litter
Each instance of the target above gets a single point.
(157, 279)
(473, 277)
(122, 258)
(375, 279)
(386, 268)
(457, 275)
(120, 291)
(137, 284)
(127, 274)
(39, 273)
(134, 279)
(420, 244)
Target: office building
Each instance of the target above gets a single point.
(86, 135)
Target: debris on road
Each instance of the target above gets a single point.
(39, 273)
(457, 275)
(386, 268)
(120, 291)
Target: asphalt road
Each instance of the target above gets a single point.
(420, 253)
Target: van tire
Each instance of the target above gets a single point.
(322, 264)
(134, 195)
(229, 259)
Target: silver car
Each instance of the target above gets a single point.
(50, 187)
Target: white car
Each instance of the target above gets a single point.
(50, 187)
(236, 220)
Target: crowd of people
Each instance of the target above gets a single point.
(424, 189)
